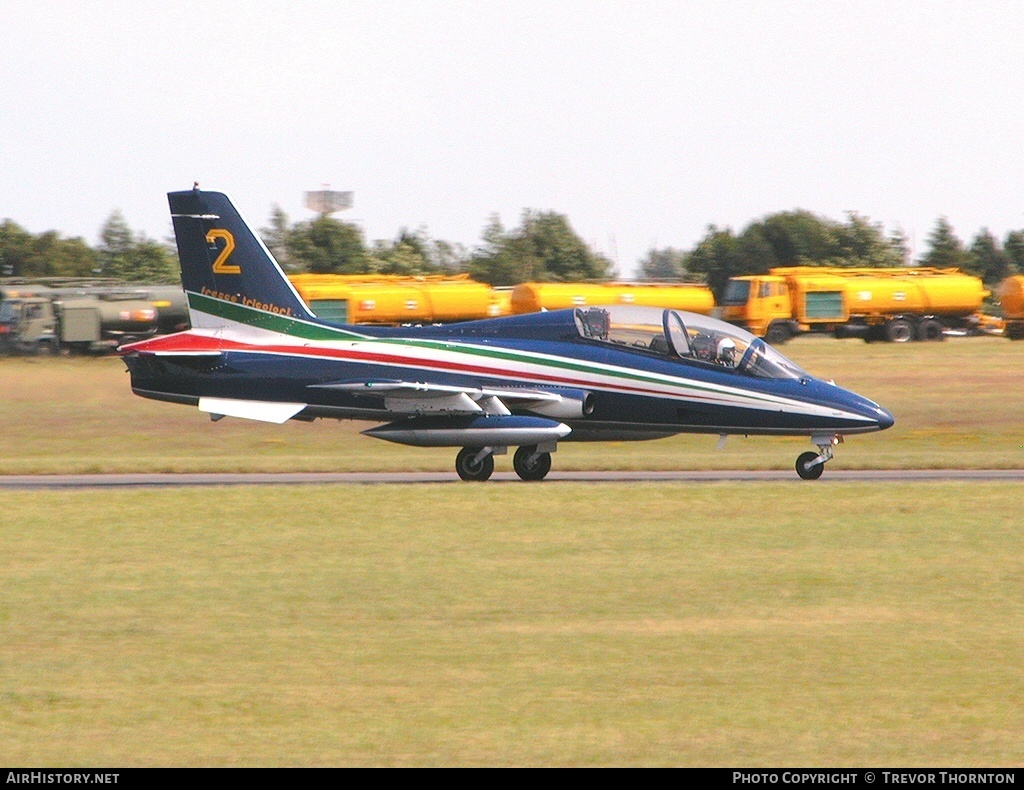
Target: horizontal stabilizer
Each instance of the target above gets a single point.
(184, 353)
(264, 411)
(181, 344)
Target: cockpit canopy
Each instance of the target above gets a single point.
(687, 337)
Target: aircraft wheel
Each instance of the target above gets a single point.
(531, 465)
(469, 469)
(806, 471)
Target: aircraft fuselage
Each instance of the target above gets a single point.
(633, 394)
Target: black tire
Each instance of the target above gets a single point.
(899, 330)
(1014, 331)
(930, 330)
(470, 470)
(874, 333)
(777, 334)
(805, 471)
(531, 465)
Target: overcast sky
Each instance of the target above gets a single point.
(642, 121)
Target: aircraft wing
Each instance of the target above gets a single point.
(410, 397)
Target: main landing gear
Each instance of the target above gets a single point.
(475, 463)
(810, 465)
(531, 462)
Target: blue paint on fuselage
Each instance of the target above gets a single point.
(275, 377)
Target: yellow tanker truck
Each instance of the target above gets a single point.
(534, 297)
(896, 305)
(398, 299)
(1011, 299)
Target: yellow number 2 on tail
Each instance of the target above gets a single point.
(221, 266)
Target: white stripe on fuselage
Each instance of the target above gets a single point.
(421, 353)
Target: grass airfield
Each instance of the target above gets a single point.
(560, 624)
(591, 625)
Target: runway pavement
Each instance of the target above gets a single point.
(376, 478)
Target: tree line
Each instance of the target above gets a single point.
(542, 247)
(121, 253)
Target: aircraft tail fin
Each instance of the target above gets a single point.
(227, 272)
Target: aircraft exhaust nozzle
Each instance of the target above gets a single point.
(573, 405)
(478, 431)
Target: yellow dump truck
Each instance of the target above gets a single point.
(896, 305)
(1011, 299)
(397, 299)
(534, 297)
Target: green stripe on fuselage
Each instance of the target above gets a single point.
(293, 327)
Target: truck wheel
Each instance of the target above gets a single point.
(930, 330)
(1014, 331)
(899, 330)
(777, 334)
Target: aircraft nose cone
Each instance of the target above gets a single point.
(884, 418)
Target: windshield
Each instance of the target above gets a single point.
(736, 292)
(687, 337)
(9, 312)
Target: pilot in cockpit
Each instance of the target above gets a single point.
(726, 352)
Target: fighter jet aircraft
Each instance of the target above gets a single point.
(256, 351)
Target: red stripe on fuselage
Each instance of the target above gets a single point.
(186, 342)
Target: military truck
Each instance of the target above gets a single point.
(41, 320)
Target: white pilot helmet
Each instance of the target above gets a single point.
(726, 349)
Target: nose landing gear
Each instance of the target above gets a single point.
(810, 465)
